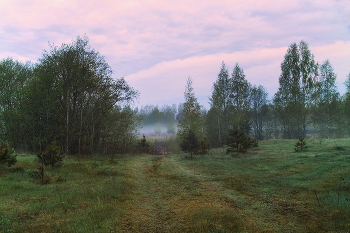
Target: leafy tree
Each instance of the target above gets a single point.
(296, 89)
(13, 77)
(72, 97)
(190, 128)
(326, 103)
(259, 111)
(7, 154)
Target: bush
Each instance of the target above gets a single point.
(7, 154)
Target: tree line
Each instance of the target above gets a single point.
(69, 97)
(306, 103)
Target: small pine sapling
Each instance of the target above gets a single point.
(300, 145)
(51, 155)
(239, 141)
(144, 144)
(7, 154)
(190, 143)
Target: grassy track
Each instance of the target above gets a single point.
(268, 189)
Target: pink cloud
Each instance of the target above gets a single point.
(166, 81)
(164, 42)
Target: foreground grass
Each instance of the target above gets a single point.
(268, 189)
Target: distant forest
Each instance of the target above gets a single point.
(307, 103)
(69, 97)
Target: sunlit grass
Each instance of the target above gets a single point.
(268, 189)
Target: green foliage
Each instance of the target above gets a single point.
(39, 175)
(203, 148)
(300, 145)
(144, 144)
(239, 141)
(326, 111)
(294, 96)
(7, 154)
(217, 119)
(190, 144)
(190, 128)
(69, 95)
(230, 105)
(14, 75)
(51, 155)
(259, 112)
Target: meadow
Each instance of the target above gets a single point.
(270, 188)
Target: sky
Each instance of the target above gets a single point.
(157, 44)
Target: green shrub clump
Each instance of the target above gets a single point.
(300, 145)
(7, 154)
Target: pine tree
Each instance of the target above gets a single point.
(7, 154)
(240, 90)
(191, 126)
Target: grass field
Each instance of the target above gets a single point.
(268, 189)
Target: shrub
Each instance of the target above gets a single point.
(39, 175)
(144, 145)
(51, 155)
(7, 154)
(239, 141)
(300, 145)
(203, 149)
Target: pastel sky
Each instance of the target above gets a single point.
(157, 44)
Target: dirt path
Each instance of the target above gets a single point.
(144, 205)
(165, 196)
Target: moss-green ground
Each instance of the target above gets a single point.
(269, 189)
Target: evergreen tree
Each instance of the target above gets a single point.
(190, 144)
(51, 155)
(7, 154)
(240, 90)
(191, 126)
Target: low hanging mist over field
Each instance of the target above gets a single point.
(156, 129)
